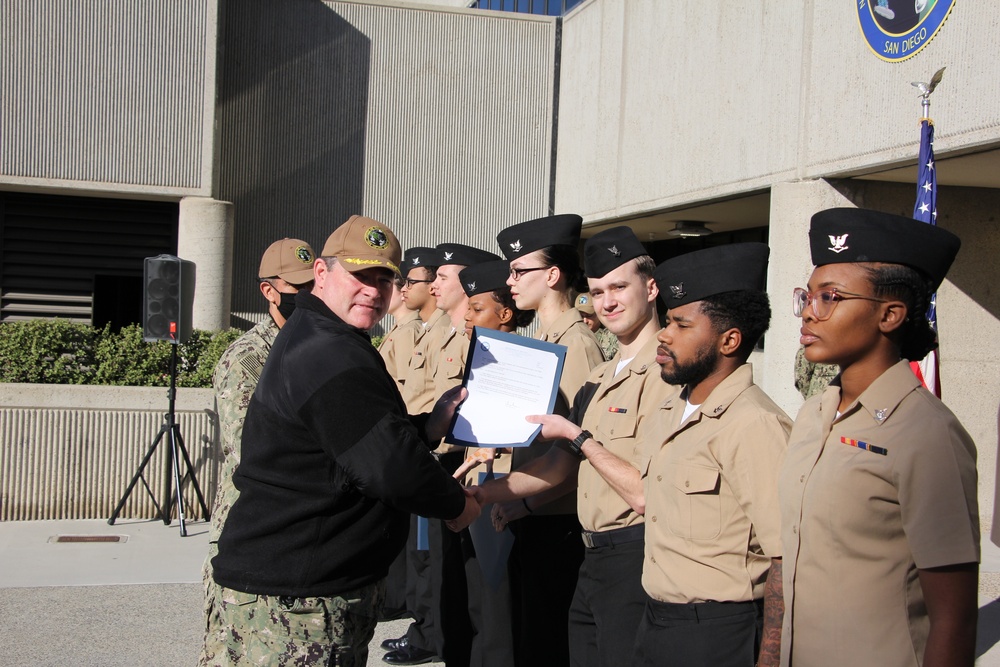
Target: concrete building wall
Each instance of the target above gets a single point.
(108, 97)
(434, 121)
(665, 104)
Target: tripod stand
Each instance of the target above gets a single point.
(172, 477)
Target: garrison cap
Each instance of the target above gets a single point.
(462, 255)
(418, 257)
(288, 259)
(520, 239)
(363, 243)
(606, 251)
(585, 304)
(484, 277)
(847, 235)
(703, 273)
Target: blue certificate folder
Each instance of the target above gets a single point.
(503, 368)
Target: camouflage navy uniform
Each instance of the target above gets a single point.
(810, 378)
(608, 342)
(234, 381)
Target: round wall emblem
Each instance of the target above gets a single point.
(376, 238)
(899, 29)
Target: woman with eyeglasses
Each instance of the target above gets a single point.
(545, 274)
(880, 523)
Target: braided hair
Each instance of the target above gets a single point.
(906, 284)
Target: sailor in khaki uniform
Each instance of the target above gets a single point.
(545, 273)
(398, 351)
(610, 418)
(398, 343)
(438, 366)
(712, 561)
(880, 524)
(490, 307)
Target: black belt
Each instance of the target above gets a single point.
(702, 610)
(609, 538)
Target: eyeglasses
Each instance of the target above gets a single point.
(517, 273)
(824, 301)
(410, 282)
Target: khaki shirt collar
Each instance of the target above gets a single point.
(643, 361)
(722, 396)
(880, 399)
(562, 324)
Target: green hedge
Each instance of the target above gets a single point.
(60, 352)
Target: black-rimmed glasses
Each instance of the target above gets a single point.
(410, 282)
(517, 273)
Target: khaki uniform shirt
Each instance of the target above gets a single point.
(619, 417)
(448, 371)
(397, 345)
(418, 385)
(866, 499)
(712, 517)
(583, 354)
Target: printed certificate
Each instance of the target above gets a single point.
(508, 378)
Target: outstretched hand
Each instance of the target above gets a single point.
(474, 459)
(555, 426)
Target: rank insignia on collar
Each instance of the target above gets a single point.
(717, 410)
(678, 291)
(880, 414)
(838, 244)
(867, 446)
(516, 246)
(615, 251)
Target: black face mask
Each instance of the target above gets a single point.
(287, 305)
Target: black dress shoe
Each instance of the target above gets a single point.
(409, 655)
(395, 644)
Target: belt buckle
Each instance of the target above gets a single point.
(588, 539)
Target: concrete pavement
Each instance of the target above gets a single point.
(138, 600)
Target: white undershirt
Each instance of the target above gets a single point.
(622, 364)
(689, 410)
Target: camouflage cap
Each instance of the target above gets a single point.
(363, 243)
(288, 259)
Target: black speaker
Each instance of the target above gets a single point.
(168, 298)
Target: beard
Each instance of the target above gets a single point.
(693, 373)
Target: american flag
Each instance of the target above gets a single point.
(926, 210)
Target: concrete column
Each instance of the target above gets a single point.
(792, 205)
(205, 237)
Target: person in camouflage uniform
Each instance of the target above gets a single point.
(607, 340)
(810, 378)
(285, 268)
(330, 466)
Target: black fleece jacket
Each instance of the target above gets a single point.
(330, 467)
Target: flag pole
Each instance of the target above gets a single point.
(925, 210)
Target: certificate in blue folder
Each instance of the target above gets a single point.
(508, 378)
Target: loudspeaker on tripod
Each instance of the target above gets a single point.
(168, 296)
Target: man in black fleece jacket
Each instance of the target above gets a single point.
(332, 465)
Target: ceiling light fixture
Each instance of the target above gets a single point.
(689, 229)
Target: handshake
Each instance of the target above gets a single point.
(473, 508)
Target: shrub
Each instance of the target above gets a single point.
(46, 351)
(60, 352)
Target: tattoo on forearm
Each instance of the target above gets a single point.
(774, 611)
